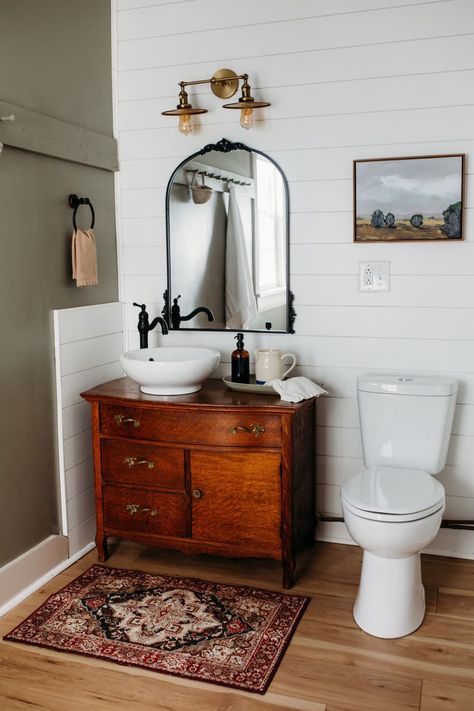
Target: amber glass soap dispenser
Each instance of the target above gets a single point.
(240, 362)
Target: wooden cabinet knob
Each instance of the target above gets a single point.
(197, 493)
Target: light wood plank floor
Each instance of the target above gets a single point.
(330, 664)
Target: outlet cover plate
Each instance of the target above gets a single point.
(374, 276)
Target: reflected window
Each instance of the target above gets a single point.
(270, 231)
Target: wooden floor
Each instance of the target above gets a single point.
(330, 664)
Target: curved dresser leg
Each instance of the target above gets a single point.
(289, 566)
(102, 548)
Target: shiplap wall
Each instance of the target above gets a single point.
(88, 345)
(347, 79)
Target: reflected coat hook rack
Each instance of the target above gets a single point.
(225, 178)
(74, 203)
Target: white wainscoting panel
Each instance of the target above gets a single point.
(88, 344)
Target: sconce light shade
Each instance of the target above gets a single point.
(246, 104)
(185, 111)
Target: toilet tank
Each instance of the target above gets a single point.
(406, 420)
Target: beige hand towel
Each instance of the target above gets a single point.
(84, 258)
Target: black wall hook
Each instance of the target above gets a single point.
(75, 202)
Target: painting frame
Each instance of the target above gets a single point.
(445, 224)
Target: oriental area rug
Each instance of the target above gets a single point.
(233, 635)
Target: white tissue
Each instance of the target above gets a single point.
(297, 389)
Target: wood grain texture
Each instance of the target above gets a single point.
(241, 498)
(330, 665)
(127, 462)
(212, 394)
(245, 467)
(180, 425)
(438, 696)
(128, 509)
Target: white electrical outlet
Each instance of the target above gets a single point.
(374, 276)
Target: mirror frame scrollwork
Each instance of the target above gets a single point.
(226, 146)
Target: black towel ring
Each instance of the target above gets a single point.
(74, 202)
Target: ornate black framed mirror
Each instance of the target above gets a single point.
(227, 235)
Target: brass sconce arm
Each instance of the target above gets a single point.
(224, 84)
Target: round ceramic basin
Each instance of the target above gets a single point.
(170, 371)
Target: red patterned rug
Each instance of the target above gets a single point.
(232, 635)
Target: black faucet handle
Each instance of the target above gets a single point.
(140, 306)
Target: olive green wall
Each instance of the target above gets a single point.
(55, 58)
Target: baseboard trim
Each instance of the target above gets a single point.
(24, 575)
(450, 542)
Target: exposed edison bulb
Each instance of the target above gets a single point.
(185, 123)
(246, 118)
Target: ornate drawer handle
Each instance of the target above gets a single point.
(257, 430)
(122, 420)
(131, 461)
(136, 508)
(197, 493)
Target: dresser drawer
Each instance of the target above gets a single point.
(224, 428)
(127, 509)
(130, 462)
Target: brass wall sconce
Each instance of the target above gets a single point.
(224, 84)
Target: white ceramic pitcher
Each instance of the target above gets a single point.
(269, 365)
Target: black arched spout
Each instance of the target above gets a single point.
(144, 327)
(176, 317)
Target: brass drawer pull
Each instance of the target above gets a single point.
(257, 430)
(136, 508)
(131, 461)
(197, 493)
(122, 420)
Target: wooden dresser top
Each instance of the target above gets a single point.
(214, 394)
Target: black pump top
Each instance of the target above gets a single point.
(240, 341)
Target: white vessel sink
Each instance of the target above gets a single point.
(170, 371)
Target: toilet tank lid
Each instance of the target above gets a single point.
(406, 384)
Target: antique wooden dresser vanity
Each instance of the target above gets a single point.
(222, 472)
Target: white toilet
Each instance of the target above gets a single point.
(393, 507)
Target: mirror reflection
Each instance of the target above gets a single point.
(227, 233)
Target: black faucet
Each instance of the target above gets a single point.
(176, 317)
(144, 326)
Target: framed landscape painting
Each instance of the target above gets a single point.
(408, 199)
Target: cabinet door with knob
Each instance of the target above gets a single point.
(236, 497)
(211, 472)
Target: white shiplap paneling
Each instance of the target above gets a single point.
(89, 342)
(347, 80)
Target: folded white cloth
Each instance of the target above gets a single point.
(297, 389)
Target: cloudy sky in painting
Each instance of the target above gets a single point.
(405, 187)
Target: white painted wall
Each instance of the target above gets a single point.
(347, 79)
(88, 345)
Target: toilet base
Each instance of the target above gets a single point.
(391, 598)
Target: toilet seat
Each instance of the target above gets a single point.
(392, 495)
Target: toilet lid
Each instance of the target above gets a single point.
(387, 490)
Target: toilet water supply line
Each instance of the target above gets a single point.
(462, 525)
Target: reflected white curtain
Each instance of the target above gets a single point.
(240, 302)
